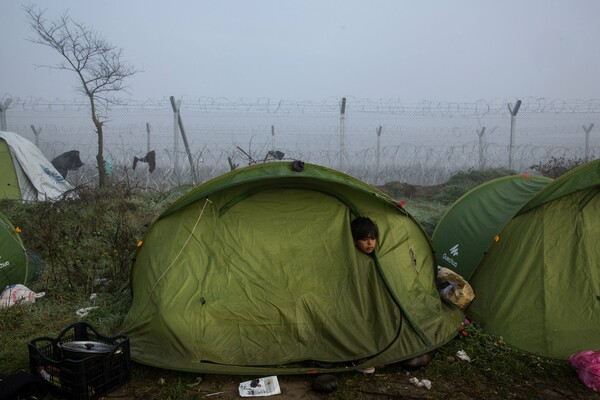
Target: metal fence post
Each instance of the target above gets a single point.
(176, 106)
(273, 137)
(185, 142)
(147, 137)
(342, 116)
(3, 108)
(481, 133)
(513, 133)
(587, 139)
(36, 132)
(378, 130)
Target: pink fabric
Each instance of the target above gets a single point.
(587, 364)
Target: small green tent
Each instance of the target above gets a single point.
(25, 173)
(15, 265)
(255, 272)
(537, 275)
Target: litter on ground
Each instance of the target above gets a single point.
(260, 387)
(462, 355)
(82, 312)
(426, 383)
(18, 293)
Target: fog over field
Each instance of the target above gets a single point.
(427, 84)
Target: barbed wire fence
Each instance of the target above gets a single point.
(376, 141)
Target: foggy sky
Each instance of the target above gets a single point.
(317, 49)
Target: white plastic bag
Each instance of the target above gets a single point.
(18, 293)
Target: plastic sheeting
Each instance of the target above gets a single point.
(37, 179)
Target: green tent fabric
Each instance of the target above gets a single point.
(470, 225)
(538, 285)
(15, 265)
(9, 183)
(255, 272)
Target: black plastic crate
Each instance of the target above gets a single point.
(81, 377)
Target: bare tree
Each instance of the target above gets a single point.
(98, 64)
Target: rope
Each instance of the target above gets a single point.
(172, 262)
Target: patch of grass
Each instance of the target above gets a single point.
(23, 322)
(427, 204)
(426, 213)
(495, 366)
(81, 241)
(403, 191)
(464, 181)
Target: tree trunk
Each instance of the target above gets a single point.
(100, 156)
(96, 62)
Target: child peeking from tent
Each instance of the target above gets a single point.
(365, 234)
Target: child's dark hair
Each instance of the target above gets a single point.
(363, 227)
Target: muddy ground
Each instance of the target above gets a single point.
(388, 382)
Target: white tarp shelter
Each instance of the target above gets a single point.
(25, 173)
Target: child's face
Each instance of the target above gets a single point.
(366, 245)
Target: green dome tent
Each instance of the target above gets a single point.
(468, 228)
(255, 272)
(536, 274)
(15, 264)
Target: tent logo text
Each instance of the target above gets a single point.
(56, 176)
(454, 250)
(450, 261)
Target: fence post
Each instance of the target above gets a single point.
(378, 130)
(37, 135)
(3, 107)
(342, 116)
(147, 137)
(481, 134)
(185, 142)
(272, 137)
(175, 107)
(587, 139)
(513, 133)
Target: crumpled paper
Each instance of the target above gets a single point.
(260, 387)
(462, 355)
(420, 383)
(82, 312)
